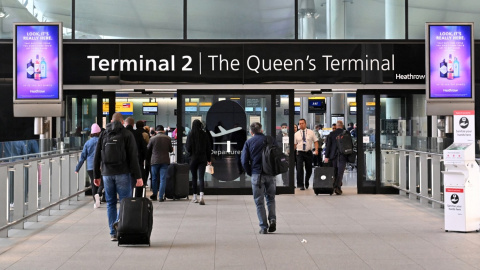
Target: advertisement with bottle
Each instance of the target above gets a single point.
(37, 62)
(450, 48)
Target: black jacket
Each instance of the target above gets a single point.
(331, 147)
(130, 165)
(205, 153)
(141, 143)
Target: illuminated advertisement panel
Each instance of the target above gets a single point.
(37, 63)
(450, 61)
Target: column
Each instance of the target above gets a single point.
(335, 19)
(306, 17)
(394, 19)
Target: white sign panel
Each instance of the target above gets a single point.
(464, 126)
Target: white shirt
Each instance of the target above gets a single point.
(310, 138)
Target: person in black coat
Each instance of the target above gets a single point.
(200, 155)
(338, 160)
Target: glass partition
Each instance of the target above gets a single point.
(248, 19)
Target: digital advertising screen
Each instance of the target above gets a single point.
(38, 63)
(449, 61)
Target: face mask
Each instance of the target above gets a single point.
(284, 130)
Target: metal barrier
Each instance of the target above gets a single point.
(420, 176)
(29, 187)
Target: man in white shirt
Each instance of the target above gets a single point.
(304, 140)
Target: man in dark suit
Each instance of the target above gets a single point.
(339, 161)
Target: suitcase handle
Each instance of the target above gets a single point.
(143, 191)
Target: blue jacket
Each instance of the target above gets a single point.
(252, 154)
(88, 154)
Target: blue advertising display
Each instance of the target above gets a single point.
(37, 57)
(450, 61)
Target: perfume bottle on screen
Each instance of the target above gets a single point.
(456, 68)
(37, 69)
(443, 69)
(43, 69)
(30, 69)
(450, 67)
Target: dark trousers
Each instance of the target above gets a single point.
(95, 190)
(198, 173)
(339, 164)
(304, 159)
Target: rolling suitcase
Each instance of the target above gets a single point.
(323, 179)
(135, 221)
(177, 181)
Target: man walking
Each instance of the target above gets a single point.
(263, 186)
(116, 154)
(304, 140)
(158, 153)
(338, 160)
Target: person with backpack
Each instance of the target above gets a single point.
(333, 154)
(116, 159)
(304, 140)
(263, 185)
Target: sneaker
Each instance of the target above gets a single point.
(153, 197)
(338, 191)
(202, 202)
(194, 200)
(113, 237)
(97, 201)
(263, 231)
(273, 225)
(94, 206)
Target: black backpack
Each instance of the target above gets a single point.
(113, 148)
(274, 161)
(345, 143)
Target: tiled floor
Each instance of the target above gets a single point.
(314, 232)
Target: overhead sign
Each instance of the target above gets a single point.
(37, 63)
(449, 61)
(464, 126)
(125, 108)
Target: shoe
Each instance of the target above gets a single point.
(263, 231)
(153, 197)
(306, 187)
(97, 201)
(202, 202)
(273, 226)
(161, 200)
(94, 206)
(302, 188)
(113, 238)
(194, 200)
(338, 191)
(115, 226)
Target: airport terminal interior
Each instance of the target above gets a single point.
(400, 75)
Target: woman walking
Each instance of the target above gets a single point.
(200, 150)
(88, 154)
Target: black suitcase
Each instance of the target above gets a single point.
(135, 221)
(323, 179)
(177, 181)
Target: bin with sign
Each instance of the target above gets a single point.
(462, 189)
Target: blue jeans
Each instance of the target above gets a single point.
(263, 186)
(159, 175)
(113, 184)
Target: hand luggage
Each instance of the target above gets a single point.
(135, 221)
(323, 179)
(177, 181)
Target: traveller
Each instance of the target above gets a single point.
(304, 140)
(338, 160)
(350, 127)
(158, 155)
(318, 134)
(141, 146)
(200, 155)
(118, 162)
(263, 186)
(282, 133)
(88, 153)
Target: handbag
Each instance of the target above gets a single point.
(209, 169)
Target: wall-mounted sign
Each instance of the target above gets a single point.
(37, 63)
(125, 108)
(464, 126)
(149, 108)
(449, 51)
(317, 105)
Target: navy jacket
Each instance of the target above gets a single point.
(252, 154)
(331, 147)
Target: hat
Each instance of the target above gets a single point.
(95, 128)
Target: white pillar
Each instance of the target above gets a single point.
(394, 19)
(335, 19)
(306, 16)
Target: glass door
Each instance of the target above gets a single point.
(227, 118)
